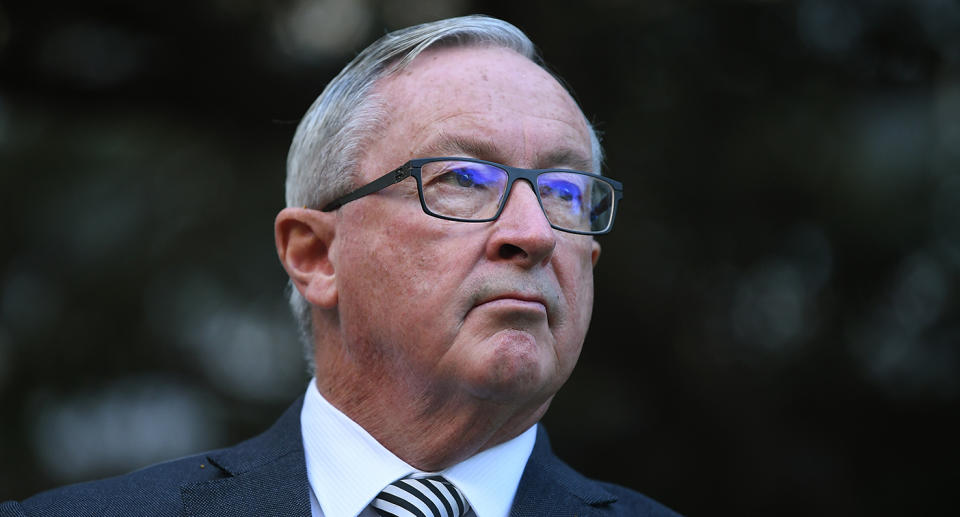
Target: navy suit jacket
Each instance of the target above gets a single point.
(267, 476)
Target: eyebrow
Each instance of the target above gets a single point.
(570, 159)
(449, 145)
(453, 145)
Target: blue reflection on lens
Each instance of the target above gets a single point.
(476, 175)
(559, 190)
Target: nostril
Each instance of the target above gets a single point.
(509, 251)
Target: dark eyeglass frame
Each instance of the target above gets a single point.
(413, 168)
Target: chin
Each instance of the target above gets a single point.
(513, 368)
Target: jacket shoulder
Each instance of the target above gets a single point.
(165, 489)
(609, 498)
(154, 491)
(631, 502)
(551, 487)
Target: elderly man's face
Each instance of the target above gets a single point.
(497, 310)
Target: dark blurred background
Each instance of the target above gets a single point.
(777, 324)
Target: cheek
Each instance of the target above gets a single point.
(405, 291)
(575, 274)
(422, 266)
(574, 266)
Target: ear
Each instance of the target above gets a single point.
(595, 252)
(304, 238)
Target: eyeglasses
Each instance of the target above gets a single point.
(475, 191)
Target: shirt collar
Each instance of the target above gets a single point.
(347, 467)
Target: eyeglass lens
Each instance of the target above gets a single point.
(469, 190)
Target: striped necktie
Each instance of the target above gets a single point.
(425, 497)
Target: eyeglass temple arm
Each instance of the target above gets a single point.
(395, 176)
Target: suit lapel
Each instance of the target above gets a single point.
(266, 475)
(550, 487)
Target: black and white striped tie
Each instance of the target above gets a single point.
(425, 497)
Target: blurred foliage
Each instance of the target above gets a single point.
(776, 325)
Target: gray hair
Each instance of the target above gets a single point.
(322, 164)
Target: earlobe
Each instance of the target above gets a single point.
(304, 238)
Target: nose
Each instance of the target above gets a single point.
(522, 233)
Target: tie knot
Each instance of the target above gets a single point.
(432, 496)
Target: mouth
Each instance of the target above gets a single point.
(517, 301)
(513, 296)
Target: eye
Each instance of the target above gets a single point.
(464, 177)
(561, 190)
(470, 177)
(566, 192)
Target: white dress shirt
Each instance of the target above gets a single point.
(347, 467)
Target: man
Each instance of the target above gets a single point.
(444, 298)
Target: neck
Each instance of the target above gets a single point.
(431, 430)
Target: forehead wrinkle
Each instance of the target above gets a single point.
(478, 134)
